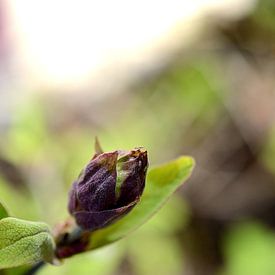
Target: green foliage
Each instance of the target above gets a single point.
(264, 15)
(250, 249)
(161, 183)
(3, 212)
(160, 251)
(15, 198)
(100, 262)
(24, 242)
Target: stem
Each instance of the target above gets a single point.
(35, 268)
(74, 235)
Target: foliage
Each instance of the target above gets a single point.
(23, 242)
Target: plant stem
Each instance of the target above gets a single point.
(35, 268)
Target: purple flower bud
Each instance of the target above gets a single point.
(108, 188)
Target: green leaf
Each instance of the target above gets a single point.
(24, 242)
(3, 212)
(161, 183)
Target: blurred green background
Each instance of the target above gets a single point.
(214, 101)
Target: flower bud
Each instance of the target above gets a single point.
(108, 188)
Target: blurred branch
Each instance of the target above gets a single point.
(12, 173)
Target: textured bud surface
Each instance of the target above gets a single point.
(108, 188)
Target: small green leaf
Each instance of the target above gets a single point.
(161, 183)
(24, 242)
(3, 212)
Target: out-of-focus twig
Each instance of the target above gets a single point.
(12, 173)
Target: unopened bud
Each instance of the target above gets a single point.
(108, 188)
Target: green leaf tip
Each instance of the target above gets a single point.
(24, 242)
(162, 181)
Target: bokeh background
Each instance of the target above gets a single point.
(178, 77)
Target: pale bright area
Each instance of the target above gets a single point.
(63, 45)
